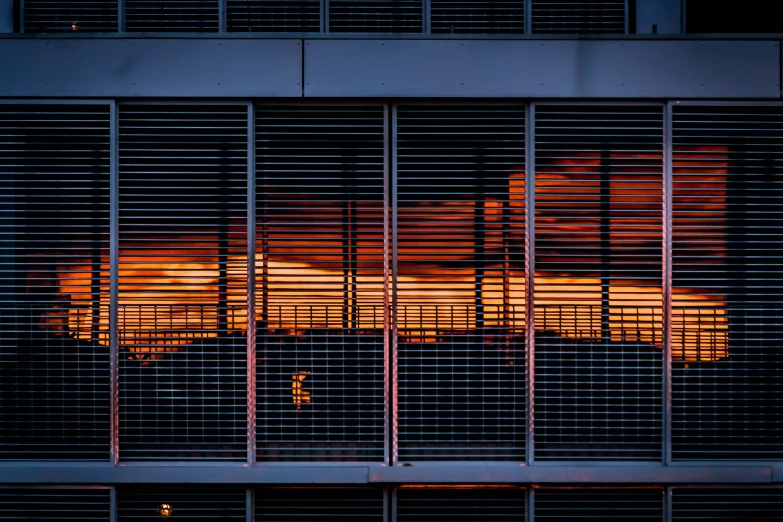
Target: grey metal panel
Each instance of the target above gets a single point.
(150, 67)
(542, 69)
(665, 15)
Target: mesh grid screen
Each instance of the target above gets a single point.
(727, 310)
(736, 504)
(598, 505)
(375, 16)
(477, 16)
(193, 504)
(273, 16)
(54, 504)
(434, 504)
(54, 294)
(60, 16)
(578, 16)
(460, 283)
(319, 282)
(598, 293)
(183, 281)
(322, 504)
(196, 16)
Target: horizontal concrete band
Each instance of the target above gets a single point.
(69, 473)
(98, 67)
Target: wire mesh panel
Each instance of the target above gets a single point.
(430, 503)
(172, 15)
(54, 504)
(183, 281)
(727, 309)
(598, 282)
(477, 16)
(319, 282)
(460, 282)
(598, 505)
(735, 504)
(54, 294)
(58, 16)
(375, 16)
(578, 16)
(323, 504)
(192, 504)
(273, 16)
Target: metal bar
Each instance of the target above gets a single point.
(426, 16)
(627, 17)
(324, 18)
(393, 511)
(530, 269)
(393, 195)
(531, 505)
(222, 16)
(21, 16)
(251, 284)
(386, 507)
(114, 259)
(528, 6)
(250, 511)
(121, 16)
(387, 380)
(667, 286)
(667, 504)
(113, 504)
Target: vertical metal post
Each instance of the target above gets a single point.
(387, 414)
(667, 286)
(528, 7)
(21, 16)
(531, 505)
(113, 504)
(627, 17)
(251, 284)
(393, 307)
(386, 510)
(393, 510)
(667, 504)
(222, 16)
(426, 6)
(121, 16)
(324, 16)
(250, 508)
(530, 272)
(114, 261)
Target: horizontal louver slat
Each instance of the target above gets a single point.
(55, 504)
(578, 16)
(323, 504)
(54, 295)
(273, 16)
(735, 504)
(197, 16)
(460, 283)
(192, 504)
(63, 16)
(182, 281)
(319, 282)
(598, 297)
(477, 16)
(598, 505)
(375, 16)
(432, 504)
(727, 309)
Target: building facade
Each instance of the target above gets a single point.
(510, 261)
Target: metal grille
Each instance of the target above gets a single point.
(375, 16)
(54, 296)
(598, 505)
(460, 282)
(598, 282)
(274, 16)
(578, 16)
(172, 15)
(735, 504)
(194, 504)
(477, 16)
(427, 503)
(67, 16)
(319, 505)
(182, 281)
(54, 504)
(319, 282)
(727, 309)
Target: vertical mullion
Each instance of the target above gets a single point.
(324, 16)
(394, 360)
(113, 504)
(222, 16)
(530, 267)
(250, 511)
(386, 509)
(121, 16)
(667, 286)
(114, 258)
(387, 380)
(667, 504)
(21, 16)
(627, 16)
(251, 284)
(530, 507)
(393, 510)
(426, 6)
(528, 8)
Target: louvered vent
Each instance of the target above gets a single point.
(598, 282)
(196, 16)
(319, 282)
(54, 295)
(375, 16)
(598, 505)
(54, 504)
(727, 284)
(477, 16)
(182, 281)
(460, 283)
(469, 504)
(736, 504)
(58, 16)
(578, 16)
(319, 505)
(274, 16)
(192, 504)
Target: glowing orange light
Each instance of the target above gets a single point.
(165, 510)
(299, 394)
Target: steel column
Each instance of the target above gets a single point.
(530, 272)
(667, 286)
(393, 194)
(251, 284)
(114, 259)
(387, 319)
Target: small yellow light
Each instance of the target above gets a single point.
(75, 25)
(165, 510)
(299, 394)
